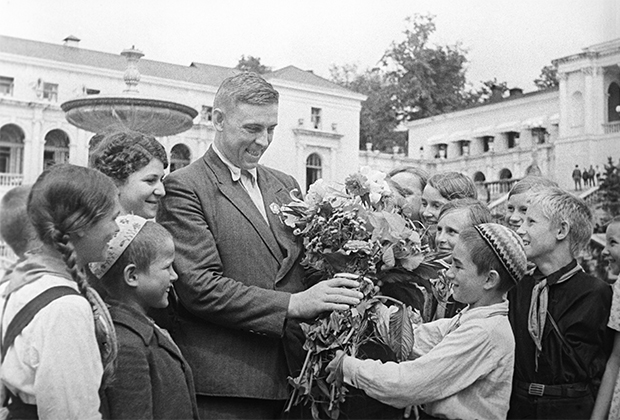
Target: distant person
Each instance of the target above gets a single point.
(586, 177)
(592, 176)
(577, 178)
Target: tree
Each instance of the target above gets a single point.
(378, 117)
(484, 94)
(610, 188)
(548, 78)
(430, 80)
(251, 63)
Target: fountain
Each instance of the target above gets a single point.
(129, 111)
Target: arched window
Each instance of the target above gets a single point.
(314, 169)
(479, 177)
(11, 149)
(180, 156)
(56, 149)
(576, 110)
(613, 101)
(505, 174)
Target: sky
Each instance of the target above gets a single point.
(510, 40)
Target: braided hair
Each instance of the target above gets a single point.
(64, 200)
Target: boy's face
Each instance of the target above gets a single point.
(449, 227)
(467, 284)
(611, 252)
(517, 207)
(154, 284)
(431, 204)
(538, 234)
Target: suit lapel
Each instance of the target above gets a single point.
(274, 192)
(237, 195)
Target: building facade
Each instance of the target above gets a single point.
(317, 134)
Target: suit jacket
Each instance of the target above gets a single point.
(152, 379)
(236, 274)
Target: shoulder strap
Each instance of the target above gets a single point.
(28, 312)
(569, 350)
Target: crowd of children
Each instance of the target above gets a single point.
(523, 333)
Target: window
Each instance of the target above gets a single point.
(180, 156)
(315, 118)
(488, 143)
(540, 134)
(206, 113)
(56, 148)
(314, 170)
(92, 91)
(512, 139)
(613, 98)
(6, 85)
(50, 91)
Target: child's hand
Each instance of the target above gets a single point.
(335, 369)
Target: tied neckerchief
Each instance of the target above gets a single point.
(251, 186)
(537, 315)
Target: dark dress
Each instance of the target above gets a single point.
(152, 379)
(580, 306)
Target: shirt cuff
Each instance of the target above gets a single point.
(349, 370)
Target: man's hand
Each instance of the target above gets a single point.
(336, 294)
(335, 369)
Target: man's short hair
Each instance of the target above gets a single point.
(420, 174)
(560, 206)
(247, 88)
(16, 229)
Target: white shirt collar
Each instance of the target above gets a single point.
(235, 172)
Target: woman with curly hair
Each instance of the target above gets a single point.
(136, 163)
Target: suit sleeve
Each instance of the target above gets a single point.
(202, 287)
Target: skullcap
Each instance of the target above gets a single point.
(507, 246)
(128, 227)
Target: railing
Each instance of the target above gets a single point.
(592, 196)
(11, 180)
(612, 127)
(502, 186)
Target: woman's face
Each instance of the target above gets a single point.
(431, 204)
(141, 193)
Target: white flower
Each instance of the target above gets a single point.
(377, 183)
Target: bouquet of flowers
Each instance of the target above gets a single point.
(356, 230)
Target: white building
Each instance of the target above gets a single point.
(548, 131)
(317, 134)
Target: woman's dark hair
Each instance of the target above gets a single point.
(121, 153)
(142, 252)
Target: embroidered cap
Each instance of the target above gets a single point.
(128, 227)
(507, 246)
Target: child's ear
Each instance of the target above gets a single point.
(562, 230)
(130, 275)
(492, 280)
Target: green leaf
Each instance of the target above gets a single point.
(401, 333)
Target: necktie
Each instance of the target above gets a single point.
(539, 302)
(251, 186)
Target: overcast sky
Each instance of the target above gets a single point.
(507, 39)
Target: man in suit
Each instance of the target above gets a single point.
(240, 279)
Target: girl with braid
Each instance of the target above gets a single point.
(57, 335)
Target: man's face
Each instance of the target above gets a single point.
(245, 132)
(410, 183)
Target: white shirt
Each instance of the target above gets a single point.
(249, 183)
(459, 372)
(55, 362)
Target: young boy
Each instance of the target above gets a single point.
(460, 367)
(558, 314)
(152, 379)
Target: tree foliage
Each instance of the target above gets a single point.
(430, 78)
(485, 93)
(251, 63)
(610, 188)
(548, 78)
